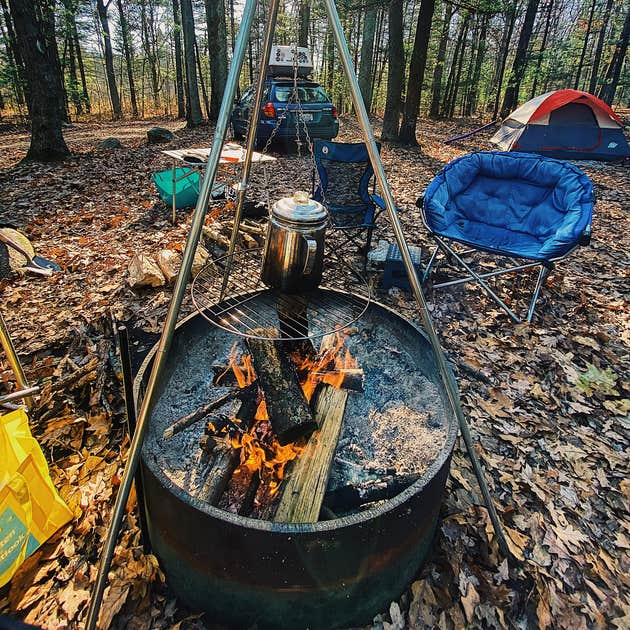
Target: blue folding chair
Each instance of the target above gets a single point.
(514, 205)
(343, 186)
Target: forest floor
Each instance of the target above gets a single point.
(548, 402)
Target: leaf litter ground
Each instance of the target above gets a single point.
(548, 403)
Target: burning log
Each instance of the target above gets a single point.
(352, 497)
(303, 492)
(287, 407)
(353, 378)
(200, 414)
(224, 458)
(223, 463)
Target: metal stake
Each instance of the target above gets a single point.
(14, 361)
(130, 407)
(364, 122)
(171, 319)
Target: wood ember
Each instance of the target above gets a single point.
(200, 414)
(287, 407)
(303, 491)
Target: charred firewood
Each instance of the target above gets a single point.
(224, 458)
(352, 497)
(247, 504)
(183, 423)
(287, 407)
(303, 492)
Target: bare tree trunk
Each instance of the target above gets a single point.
(589, 26)
(217, 53)
(407, 134)
(77, 49)
(109, 58)
(41, 73)
(476, 76)
(436, 89)
(367, 54)
(543, 47)
(455, 64)
(611, 80)
(74, 83)
(510, 99)
(147, 32)
(305, 19)
(47, 20)
(510, 20)
(193, 109)
(127, 49)
(204, 94)
(14, 57)
(179, 75)
(378, 64)
(395, 71)
(592, 86)
(460, 65)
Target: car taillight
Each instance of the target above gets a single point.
(334, 112)
(269, 110)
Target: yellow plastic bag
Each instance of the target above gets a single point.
(30, 509)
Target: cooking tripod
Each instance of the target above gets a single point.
(179, 289)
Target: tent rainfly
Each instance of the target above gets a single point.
(564, 124)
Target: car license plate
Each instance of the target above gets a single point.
(306, 117)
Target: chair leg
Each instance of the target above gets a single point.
(368, 245)
(544, 272)
(427, 271)
(481, 282)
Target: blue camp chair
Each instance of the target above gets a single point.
(515, 205)
(345, 172)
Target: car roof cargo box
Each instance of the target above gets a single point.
(281, 61)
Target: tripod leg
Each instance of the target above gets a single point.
(173, 311)
(379, 172)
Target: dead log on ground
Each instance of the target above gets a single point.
(287, 407)
(303, 492)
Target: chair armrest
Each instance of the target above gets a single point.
(420, 201)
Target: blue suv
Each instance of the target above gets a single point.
(319, 114)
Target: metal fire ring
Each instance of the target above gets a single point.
(330, 308)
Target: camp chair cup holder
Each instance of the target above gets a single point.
(529, 210)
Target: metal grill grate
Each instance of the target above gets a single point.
(327, 309)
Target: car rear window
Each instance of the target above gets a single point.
(304, 94)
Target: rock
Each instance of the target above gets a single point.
(110, 143)
(17, 260)
(200, 260)
(156, 135)
(144, 272)
(169, 261)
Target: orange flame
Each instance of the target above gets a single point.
(260, 450)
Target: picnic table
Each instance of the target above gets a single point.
(196, 159)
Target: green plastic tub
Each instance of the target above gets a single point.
(186, 190)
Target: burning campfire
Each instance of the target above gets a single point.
(263, 459)
(282, 389)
